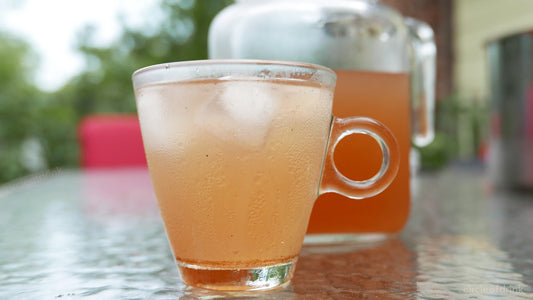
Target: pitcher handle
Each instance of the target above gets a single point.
(423, 79)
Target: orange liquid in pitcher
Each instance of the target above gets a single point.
(384, 97)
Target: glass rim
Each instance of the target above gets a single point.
(187, 70)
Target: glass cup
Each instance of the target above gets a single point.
(238, 152)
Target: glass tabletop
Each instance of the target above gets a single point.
(97, 234)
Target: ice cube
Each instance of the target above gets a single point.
(164, 118)
(241, 111)
(250, 103)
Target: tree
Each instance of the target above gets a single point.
(103, 87)
(106, 87)
(20, 102)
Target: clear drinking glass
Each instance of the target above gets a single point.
(238, 151)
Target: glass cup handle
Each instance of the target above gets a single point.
(334, 181)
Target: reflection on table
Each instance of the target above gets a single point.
(98, 234)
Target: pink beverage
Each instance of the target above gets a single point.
(233, 190)
(237, 153)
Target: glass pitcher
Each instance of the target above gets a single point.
(375, 53)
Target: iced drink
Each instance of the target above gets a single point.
(256, 183)
(238, 152)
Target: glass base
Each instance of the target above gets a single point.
(237, 279)
(341, 238)
(341, 242)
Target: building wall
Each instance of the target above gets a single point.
(476, 22)
(437, 14)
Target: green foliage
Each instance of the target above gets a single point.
(106, 84)
(103, 87)
(19, 104)
(461, 132)
(437, 154)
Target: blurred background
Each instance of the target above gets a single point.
(62, 60)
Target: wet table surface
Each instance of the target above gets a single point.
(97, 234)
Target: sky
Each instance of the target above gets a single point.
(51, 26)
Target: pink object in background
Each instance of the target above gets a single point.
(111, 141)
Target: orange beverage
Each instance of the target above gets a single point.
(238, 152)
(235, 184)
(384, 97)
